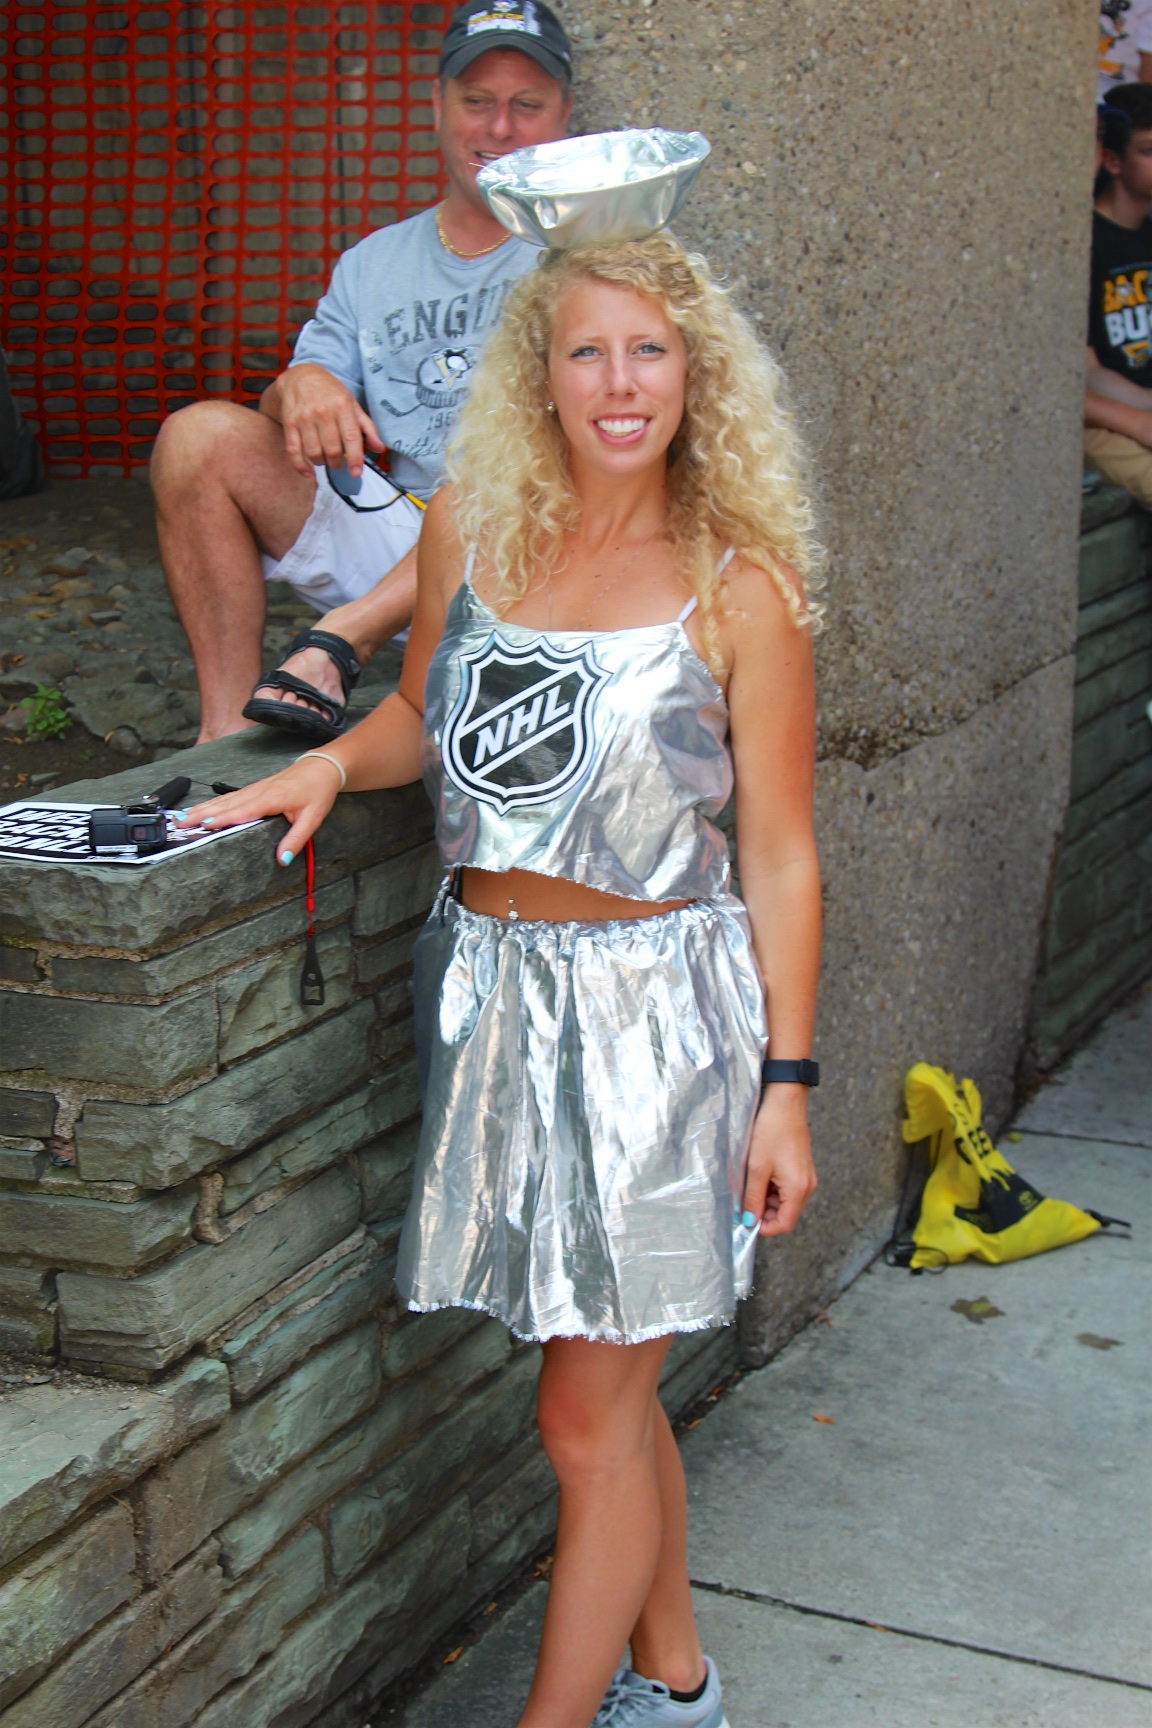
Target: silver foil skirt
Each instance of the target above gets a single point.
(589, 1091)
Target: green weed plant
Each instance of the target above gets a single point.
(47, 715)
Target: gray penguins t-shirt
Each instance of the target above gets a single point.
(402, 324)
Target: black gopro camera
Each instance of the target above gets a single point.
(123, 825)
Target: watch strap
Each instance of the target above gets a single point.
(803, 1073)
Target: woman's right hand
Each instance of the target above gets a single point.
(322, 420)
(303, 792)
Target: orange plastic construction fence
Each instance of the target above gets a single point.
(177, 182)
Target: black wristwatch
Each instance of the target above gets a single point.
(803, 1073)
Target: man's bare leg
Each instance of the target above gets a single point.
(366, 622)
(225, 492)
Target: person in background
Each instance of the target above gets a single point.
(1125, 52)
(291, 493)
(1118, 403)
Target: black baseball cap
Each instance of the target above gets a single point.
(528, 25)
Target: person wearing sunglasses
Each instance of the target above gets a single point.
(299, 492)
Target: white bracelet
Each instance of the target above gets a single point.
(312, 755)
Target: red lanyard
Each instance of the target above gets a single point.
(311, 979)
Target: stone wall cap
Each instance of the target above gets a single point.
(98, 906)
(1105, 504)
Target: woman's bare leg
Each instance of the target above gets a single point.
(608, 1440)
(665, 1643)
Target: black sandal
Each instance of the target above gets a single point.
(315, 728)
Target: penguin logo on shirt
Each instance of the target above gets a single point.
(441, 376)
(521, 732)
(440, 382)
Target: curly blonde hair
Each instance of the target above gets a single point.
(735, 466)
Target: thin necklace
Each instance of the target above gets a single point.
(595, 601)
(455, 250)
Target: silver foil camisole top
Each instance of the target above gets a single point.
(600, 756)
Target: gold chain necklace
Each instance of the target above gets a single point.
(595, 601)
(455, 250)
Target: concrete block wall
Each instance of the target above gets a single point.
(927, 302)
(1098, 935)
(267, 1491)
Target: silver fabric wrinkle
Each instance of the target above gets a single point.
(589, 1091)
(647, 756)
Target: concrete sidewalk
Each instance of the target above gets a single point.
(966, 1543)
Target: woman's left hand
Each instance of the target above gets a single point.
(304, 793)
(781, 1175)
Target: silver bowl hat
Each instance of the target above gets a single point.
(604, 186)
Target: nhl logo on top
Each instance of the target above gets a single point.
(522, 731)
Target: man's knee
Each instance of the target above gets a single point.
(201, 441)
(1121, 461)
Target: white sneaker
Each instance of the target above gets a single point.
(633, 1702)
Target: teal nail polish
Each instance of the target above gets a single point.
(287, 857)
(180, 815)
(748, 1220)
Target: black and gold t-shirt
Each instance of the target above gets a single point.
(1120, 298)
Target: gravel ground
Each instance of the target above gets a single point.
(18, 1372)
(84, 610)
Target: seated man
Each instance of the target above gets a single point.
(1118, 409)
(245, 497)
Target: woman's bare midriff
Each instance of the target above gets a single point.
(549, 898)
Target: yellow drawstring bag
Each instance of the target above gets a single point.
(974, 1205)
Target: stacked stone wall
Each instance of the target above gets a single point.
(1098, 936)
(267, 1491)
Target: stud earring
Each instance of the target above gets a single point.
(549, 407)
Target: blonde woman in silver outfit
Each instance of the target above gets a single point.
(614, 623)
